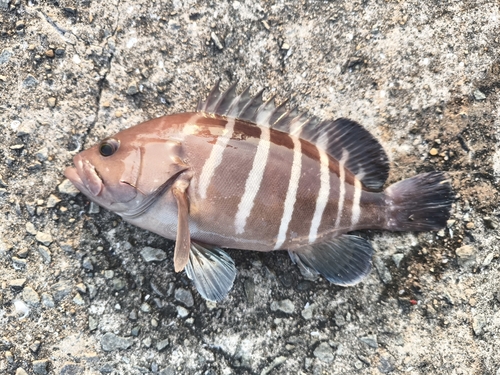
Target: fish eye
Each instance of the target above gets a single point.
(108, 147)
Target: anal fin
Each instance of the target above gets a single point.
(212, 271)
(343, 260)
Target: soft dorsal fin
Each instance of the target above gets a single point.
(344, 139)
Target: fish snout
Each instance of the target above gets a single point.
(84, 175)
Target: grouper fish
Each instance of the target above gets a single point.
(244, 173)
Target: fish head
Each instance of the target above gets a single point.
(128, 171)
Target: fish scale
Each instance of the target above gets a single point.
(244, 173)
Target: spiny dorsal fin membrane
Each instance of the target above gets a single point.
(343, 139)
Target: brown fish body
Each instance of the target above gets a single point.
(241, 173)
(220, 179)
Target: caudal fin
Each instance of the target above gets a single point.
(419, 203)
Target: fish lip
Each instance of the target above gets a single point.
(84, 176)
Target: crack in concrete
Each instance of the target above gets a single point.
(102, 81)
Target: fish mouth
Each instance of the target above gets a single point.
(84, 176)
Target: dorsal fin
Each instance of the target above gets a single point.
(344, 139)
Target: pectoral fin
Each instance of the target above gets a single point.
(183, 239)
(211, 270)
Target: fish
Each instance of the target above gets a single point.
(244, 173)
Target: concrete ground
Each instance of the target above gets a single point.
(82, 292)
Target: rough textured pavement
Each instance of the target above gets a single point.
(82, 292)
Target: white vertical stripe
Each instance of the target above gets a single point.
(342, 161)
(291, 194)
(215, 158)
(356, 208)
(323, 194)
(252, 185)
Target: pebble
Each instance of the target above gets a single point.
(324, 353)
(119, 283)
(479, 95)
(44, 238)
(20, 371)
(61, 290)
(466, 255)
(162, 345)
(370, 340)
(488, 259)
(133, 315)
(470, 225)
(30, 296)
(21, 309)
(147, 342)
(23, 253)
(81, 288)
(216, 40)
(433, 151)
(72, 369)
(94, 208)
(52, 102)
(478, 324)
(30, 228)
(111, 342)
(285, 306)
(385, 366)
(26, 128)
(285, 46)
(47, 301)
(382, 270)
(182, 311)
(184, 296)
(45, 254)
(18, 263)
(150, 254)
(132, 88)
(135, 331)
(109, 274)
(397, 258)
(87, 264)
(35, 347)
(145, 307)
(66, 187)
(50, 53)
(66, 246)
(93, 323)
(40, 366)
(5, 56)
(17, 284)
(52, 201)
(78, 300)
(30, 81)
(308, 311)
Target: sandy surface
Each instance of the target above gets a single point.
(77, 297)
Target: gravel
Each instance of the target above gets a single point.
(150, 254)
(111, 342)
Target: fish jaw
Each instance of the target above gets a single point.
(84, 177)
